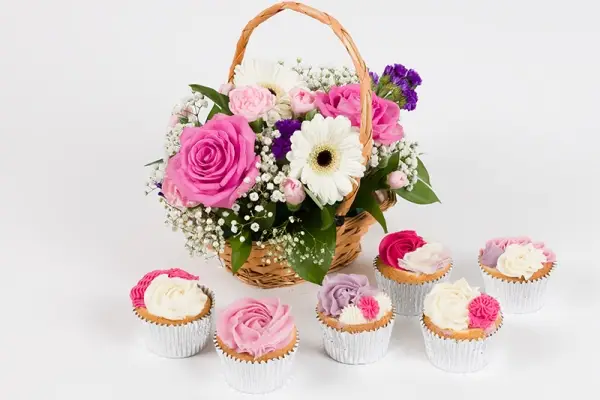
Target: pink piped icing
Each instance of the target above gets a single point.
(137, 292)
(256, 327)
(483, 311)
(395, 245)
(369, 307)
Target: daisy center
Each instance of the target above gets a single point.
(324, 158)
(274, 89)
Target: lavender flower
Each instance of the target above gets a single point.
(374, 77)
(413, 78)
(406, 80)
(411, 99)
(282, 145)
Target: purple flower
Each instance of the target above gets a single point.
(374, 77)
(413, 78)
(411, 99)
(400, 70)
(282, 145)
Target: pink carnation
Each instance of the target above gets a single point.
(137, 292)
(483, 311)
(345, 100)
(369, 307)
(302, 100)
(251, 102)
(216, 163)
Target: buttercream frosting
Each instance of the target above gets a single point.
(340, 290)
(256, 327)
(447, 305)
(483, 312)
(426, 259)
(137, 292)
(495, 247)
(352, 315)
(520, 260)
(395, 245)
(174, 298)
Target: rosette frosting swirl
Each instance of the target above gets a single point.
(137, 292)
(394, 246)
(256, 327)
(341, 290)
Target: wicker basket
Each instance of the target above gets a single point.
(254, 272)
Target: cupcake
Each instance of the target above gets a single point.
(356, 319)
(516, 271)
(407, 268)
(176, 311)
(257, 341)
(459, 324)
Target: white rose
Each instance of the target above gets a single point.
(521, 260)
(174, 298)
(426, 259)
(447, 305)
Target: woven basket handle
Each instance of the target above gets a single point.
(366, 134)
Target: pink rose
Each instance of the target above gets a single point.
(216, 163)
(483, 311)
(303, 101)
(394, 246)
(173, 196)
(345, 100)
(251, 102)
(226, 88)
(256, 327)
(397, 180)
(293, 191)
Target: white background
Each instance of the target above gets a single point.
(508, 118)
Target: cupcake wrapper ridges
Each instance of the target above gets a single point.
(357, 348)
(458, 356)
(407, 298)
(179, 341)
(257, 377)
(517, 297)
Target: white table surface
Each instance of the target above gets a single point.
(507, 118)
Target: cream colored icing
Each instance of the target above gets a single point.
(174, 298)
(521, 260)
(447, 305)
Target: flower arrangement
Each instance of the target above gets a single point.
(275, 153)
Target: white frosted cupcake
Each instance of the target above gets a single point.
(175, 310)
(407, 268)
(516, 271)
(257, 341)
(459, 324)
(356, 319)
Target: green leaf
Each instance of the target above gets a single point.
(257, 125)
(240, 251)
(422, 172)
(310, 115)
(265, 221)
(213, 111)
(313, 197)
(219, 99)
(366, 201)
(327, 217)
(311, 268)
(160, 160)
(422, 193)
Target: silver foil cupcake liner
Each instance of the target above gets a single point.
(458, 356)
(407, 298)
(256, 377)
(357, 348)
(179, 341)
(517, 297)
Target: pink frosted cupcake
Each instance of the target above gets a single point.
(516, 271)
(256, 341)
(459, 324)
(175, 310)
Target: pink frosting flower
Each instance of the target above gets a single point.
(397, 180)
(394, 246)
(483, 311)
(550, 256)
(293, 191)
(137, 292)
(226, 88)
(216, 163)
(345, 100)
(256, 327)
(251, 102)
(303, 100)
(369, 307)
(174, 196)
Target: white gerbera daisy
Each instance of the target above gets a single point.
(326, 156)
(275, 77)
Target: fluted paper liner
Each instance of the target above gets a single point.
(517, 297)
(257, 377)
(459, 356)
(357, 347)
(179, 341)
(407, 298)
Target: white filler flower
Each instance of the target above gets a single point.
(326, 156)
(277, 78)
